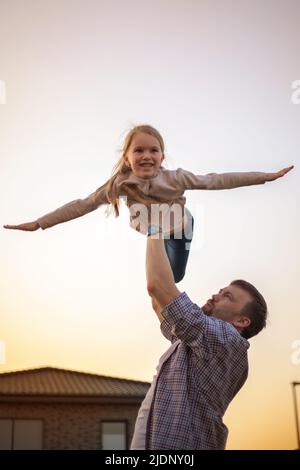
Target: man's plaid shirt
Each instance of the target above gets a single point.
(197, 382)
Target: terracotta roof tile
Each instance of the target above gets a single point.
(51, 381)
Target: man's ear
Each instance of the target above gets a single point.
(241, 322)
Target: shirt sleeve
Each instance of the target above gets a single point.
(204, 334)
(166, 330)
(74, 209)
(188, 180)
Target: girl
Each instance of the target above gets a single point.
(140, 177)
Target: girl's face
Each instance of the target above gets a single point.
(144, 155)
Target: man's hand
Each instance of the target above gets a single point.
(279, 174)
(28, 226)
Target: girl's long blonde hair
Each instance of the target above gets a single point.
(122, 168)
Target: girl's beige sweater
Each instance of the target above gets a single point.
(168, 187)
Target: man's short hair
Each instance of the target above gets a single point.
(256, 310)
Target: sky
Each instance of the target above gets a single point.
(216, 79)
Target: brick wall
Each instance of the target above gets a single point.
(72, 426)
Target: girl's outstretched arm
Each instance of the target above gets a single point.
(187, 180)
(68, 211)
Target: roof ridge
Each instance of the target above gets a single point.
(91, 374)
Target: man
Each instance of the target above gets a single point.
(206, 364)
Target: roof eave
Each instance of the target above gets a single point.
(71, 399)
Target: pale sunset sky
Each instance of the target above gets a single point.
(215, 78)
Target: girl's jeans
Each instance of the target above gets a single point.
(178, 248)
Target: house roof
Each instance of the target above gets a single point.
(54, 382)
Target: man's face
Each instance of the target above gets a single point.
(144, 155)
(228, 304)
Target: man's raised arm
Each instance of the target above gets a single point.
(160, 280)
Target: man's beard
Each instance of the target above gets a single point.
(208, 308)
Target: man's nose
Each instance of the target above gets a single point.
(216, 297)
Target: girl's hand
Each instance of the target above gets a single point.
(29, 226)
(279, 174)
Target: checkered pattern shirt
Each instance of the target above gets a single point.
(197, 382)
